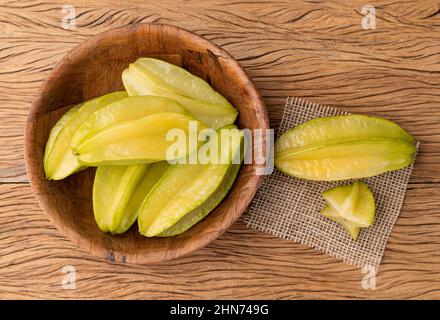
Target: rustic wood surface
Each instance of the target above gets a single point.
(316, 50)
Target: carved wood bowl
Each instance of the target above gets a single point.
(94, 68)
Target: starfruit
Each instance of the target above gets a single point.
(194, 216)
(352, 228)
(59, 161)
(352, 206)
(185, 187)
(118, 192)
(149, 76)
(143, 140)
(129, 108)
(354, 202)
(343, 147)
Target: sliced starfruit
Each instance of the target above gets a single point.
(354, 202)
(130, 108)
(59, 161)
(358, 127)
(149, 76)
(112, 189)
(336, 196)
(138, 141)
(184, 188)
(180, 80)
(358, 204)
(343, 147)
(69, 161)
(118, 192)
(194, 216)
(331, 213)
(351, 205)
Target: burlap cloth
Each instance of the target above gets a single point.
(289, 208)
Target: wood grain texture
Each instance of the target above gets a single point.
(316, 50)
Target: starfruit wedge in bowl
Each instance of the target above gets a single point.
(143, 140)
(128, 108)
(118, 192)
(59, 160)
(200, 212)
(148, 76)
(186, 193)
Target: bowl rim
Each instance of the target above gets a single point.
(80, 240)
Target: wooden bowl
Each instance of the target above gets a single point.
(94, 68)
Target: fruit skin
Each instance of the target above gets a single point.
(59, 161)
(52, 138)
(129, 108)
(196, 215)
(136, 141)
(112, 189)
(154, 172)
(338, 149)
(180, 80)
(118, 192)
(183, 188)
(347, 127)
(344, 147)
(149, 76)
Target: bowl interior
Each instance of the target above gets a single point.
(94, 68)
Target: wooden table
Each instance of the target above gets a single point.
(317, 50)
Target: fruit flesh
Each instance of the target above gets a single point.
(206, 105)
(336, 196)
(136, 141)
(59, 161)
(352, 229)
(359, 205)
(353, 206)
(345, 147)
(354, 202)
(344, 168)
(182, 188)
(129, 108)
(118, 192)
